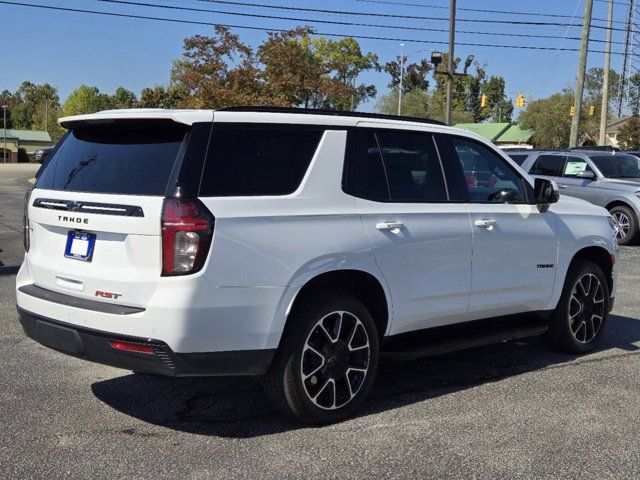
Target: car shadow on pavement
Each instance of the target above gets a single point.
(236, 407)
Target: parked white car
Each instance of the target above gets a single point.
(302, 247)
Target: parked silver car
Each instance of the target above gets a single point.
(606, 178)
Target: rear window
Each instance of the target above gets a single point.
(253, 161)
(129, 160)
(617, 166)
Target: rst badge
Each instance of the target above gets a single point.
(111, 295)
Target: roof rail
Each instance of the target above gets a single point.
(338, 113)
(604, 148)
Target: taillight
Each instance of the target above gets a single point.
(25, 222)
(187, 228)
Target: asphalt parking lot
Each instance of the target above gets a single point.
(513, 410)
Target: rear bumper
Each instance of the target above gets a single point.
(95, 346)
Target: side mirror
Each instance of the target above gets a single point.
(587, 174)
(545, 191)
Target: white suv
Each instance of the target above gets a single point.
(300, 246)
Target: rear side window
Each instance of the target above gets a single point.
(253, 161)
(136, 159)
(413, 167)
(519, 159)
(549, 165)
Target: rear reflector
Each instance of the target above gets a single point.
(132, 347)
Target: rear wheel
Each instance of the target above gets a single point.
(327, 359)
(579, 320)
(627, 224)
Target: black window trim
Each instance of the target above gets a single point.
(349, 162)
(526, 186)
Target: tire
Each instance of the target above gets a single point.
(579, 321)
(628, 224)
(327, 359)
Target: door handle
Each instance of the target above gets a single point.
(389, 226)
(562, 186)
(486, 223)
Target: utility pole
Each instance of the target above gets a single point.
(582, 65)
(605, 81)
(401, 78)
(452, 41)
(4, 124)
(628, 40)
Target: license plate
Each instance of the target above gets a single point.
(80, 245)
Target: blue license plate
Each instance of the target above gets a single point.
(80, 245)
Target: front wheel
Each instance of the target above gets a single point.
(327, 360)
(579, 320)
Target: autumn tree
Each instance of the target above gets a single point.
(218, 71)
(160, 97)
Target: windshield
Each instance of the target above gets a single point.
(617, 166)
(123, 160)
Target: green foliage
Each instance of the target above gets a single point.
(634, 94)
(549, 119)
(123, 98)
(629, 135)
(415, 103)
(86, 99)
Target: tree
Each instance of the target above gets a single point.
(415, 74)
(629, 135)
(415, 103)
(315, 73)
(123, 98)
(85, 99)
(634, 94)
(160, 97)
(549, 119)
(499, 108)
(218, 71)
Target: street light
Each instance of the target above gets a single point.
(468, 63)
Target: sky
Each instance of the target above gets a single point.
(67, 49)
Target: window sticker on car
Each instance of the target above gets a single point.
(573, 168)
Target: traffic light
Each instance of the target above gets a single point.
(571, 111)
(483, 101)
(520, 101)
(592, 110)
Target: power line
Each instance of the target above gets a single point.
(335, 22)
(269, 29)
(399, 16)
(479, 10)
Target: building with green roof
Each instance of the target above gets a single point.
(26, 140)
(502, 134)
